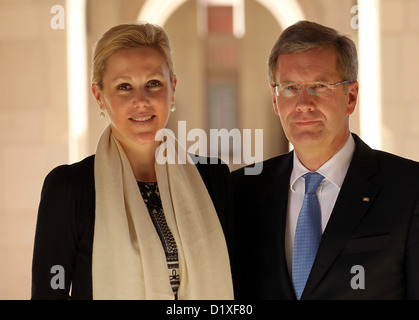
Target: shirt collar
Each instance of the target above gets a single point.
(333, 170)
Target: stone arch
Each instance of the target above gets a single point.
(286, 12)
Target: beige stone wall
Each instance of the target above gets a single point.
(33, 129)
(400, 69)
(34, 108)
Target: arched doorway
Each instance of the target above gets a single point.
(286, 12)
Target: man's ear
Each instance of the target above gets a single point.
(352, 97)
(274, 102)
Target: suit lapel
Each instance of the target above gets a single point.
(281, 185)
(352, 204)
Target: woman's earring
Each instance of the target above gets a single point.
(172, 108)
(102, 115)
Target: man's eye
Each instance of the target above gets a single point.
(319, 86)
(291, 88)
(124, 87)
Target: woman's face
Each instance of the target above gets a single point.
(137, 94)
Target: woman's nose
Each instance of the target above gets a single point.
(141, 98)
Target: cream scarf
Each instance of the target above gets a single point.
(128, 258)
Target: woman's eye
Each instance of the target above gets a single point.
(124, 87)
(154, 83)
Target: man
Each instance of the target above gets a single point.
(357, 235)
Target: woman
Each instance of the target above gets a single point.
(119, 225)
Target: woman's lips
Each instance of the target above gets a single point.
(141, 118)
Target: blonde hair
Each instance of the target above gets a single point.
(304, 36)
(126, 36)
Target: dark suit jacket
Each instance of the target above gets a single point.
(65, 225)
(374, 224)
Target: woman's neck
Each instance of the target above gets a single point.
(142, 160)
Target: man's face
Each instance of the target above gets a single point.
(310, 121)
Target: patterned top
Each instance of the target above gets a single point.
(151, 195)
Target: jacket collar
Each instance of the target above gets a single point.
(353, 202)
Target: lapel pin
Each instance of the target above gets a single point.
(366, 199)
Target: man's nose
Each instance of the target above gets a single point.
(305, 101)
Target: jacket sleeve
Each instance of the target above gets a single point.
(412, 256)
(55, 237)
(216, 176)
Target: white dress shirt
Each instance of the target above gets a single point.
(334, 172)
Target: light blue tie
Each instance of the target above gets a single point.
(307, 233)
